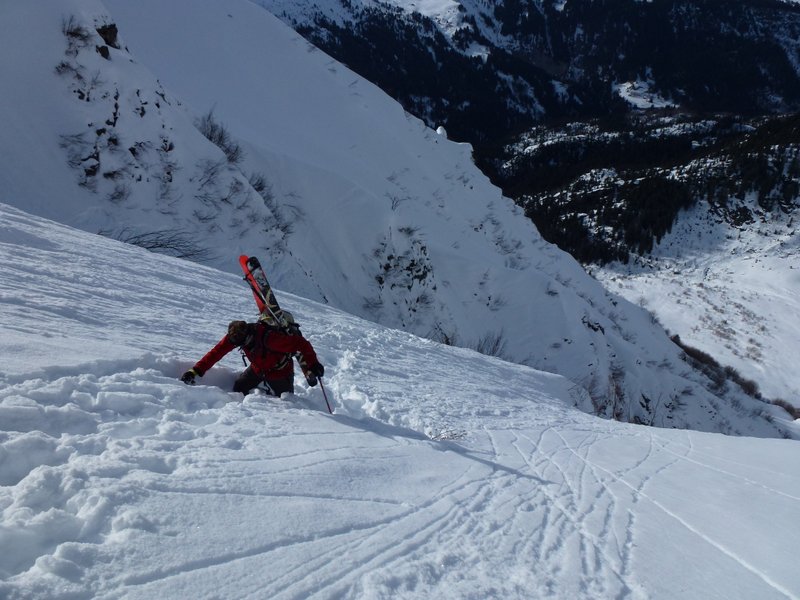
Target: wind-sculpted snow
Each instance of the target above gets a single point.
(442, 473)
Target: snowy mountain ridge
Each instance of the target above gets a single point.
(443, 472)
(487, 69)
(363, 206)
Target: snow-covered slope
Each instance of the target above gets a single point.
(633, 48)
(731, 292)
(450, 16)
(363, 207)
(443, 473)
(719, 199)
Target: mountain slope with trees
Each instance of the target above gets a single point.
(354, 202)
(622, 121)
(485, 69)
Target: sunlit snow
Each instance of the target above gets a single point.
(442, 473)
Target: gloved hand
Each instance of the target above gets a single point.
(189, 376)
(313, 372)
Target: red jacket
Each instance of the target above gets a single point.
(270, 353)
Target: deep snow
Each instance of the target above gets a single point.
(442, 473)
(365, 208)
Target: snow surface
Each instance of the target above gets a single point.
(365, 208)
(640, 95)
(443, 473)
(450, 16)
(741, 294)
(732, 293)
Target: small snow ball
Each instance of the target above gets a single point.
(442, 131)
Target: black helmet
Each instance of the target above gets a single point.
(238, 332)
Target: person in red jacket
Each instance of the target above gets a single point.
(270, 350)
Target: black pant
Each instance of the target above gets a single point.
(249, 379)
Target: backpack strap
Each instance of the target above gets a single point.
(259, 344)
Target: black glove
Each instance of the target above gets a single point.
(313, 373)
(188, 377)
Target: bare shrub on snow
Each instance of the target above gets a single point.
(171, 242)
(218, 135)
(491, 344)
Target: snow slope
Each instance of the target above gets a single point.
(442, 473)
(741, 294)
(363, 207)
(729, 292)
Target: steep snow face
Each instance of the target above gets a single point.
(346, 198)
(443, 473)
(94, 140)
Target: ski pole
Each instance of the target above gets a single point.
(324, 395)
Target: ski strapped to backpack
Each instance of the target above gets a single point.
(271, 312)
(262, 292)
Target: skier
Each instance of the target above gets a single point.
(270, 349)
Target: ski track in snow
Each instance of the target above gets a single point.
(640, 492)
(442, 473)
(512, 510)
(541, 482)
